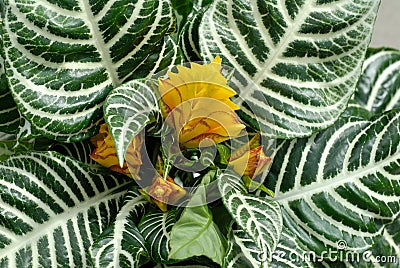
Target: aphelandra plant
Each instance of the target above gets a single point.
(91, 176)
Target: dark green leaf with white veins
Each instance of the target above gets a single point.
(385, 252)
(63, 58)
(189, 37)
(155, 227)
(260, 218)
(9, 115)
(127, 111)
(304, 56)
(121, 244)
(79, 150)
(242, 251)
(341, 186)
(52, 209)
(378, 88)
(290, 252)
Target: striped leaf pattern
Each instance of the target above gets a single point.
(304, 56)
(378, 89)
(122, 245)
(242, 251)
(155, 227)
(63, 58)
(341, 185)
(52, 209)
(290, 252)
(9, 115)
(189, 38)
(386, 251)
(258, 217)
(79, 150)
(127, 111)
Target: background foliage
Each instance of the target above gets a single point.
(66, 66)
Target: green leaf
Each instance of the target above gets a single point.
(195, 233)
(62, 59)
(341, 185)
(121, 244)
(304, 56)
(26, 131)
(9, 115)
(290, 252)
(155, 227)
(127, 111)
(189, 36)
(242, 251)
(53, 208)
(378, 86)
(8, 148)
(79, 150)
(182, 8)
(224, 153)
(259, 217)
(230, 181)
(385, 252)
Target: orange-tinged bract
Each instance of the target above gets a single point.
(250, 160)
(105, 153)
(196, 102)
(165, 192)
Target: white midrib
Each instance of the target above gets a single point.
(286, 39)
(106, 60)
(41, 230)
(334, 182)
(392, 243)
(120, 222)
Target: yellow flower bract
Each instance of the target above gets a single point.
(106, 155)
(197, 102)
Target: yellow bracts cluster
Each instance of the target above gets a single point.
(196, 102)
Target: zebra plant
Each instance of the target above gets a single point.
(325, 105)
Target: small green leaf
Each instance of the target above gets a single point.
(8, 148)
(195, 233)
(224, 154)
(251, 184)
